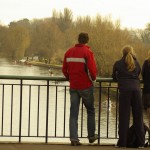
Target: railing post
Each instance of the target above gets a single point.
(2, 125)
(99, 111)
(117, 113)
(64, 111)
(11, 110)
(20, 122)
(47, 111)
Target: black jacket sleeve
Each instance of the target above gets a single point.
(114, 72)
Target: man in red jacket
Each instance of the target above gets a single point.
(79, 68)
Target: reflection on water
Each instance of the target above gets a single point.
(34, 121)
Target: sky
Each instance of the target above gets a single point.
(131, 13)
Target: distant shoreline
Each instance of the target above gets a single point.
(42, 64)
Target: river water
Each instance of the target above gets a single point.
(108, 127)
(11, 68)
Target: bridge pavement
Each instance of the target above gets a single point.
(27, 146)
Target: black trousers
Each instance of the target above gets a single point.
(127, 100)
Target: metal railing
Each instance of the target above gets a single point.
(36, 109)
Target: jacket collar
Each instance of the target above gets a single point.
(81, 45)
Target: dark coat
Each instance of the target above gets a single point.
(146, 76)
(127, 80)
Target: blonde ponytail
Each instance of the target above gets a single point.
(128, 54)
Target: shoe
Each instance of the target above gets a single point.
(93, 139)
(75, 143)
(116, 146)
(141, 147)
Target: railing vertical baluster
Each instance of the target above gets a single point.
(64, 112)
(47, 112)
(20, 118)
(56, 113)
(38, 110)
(11, 110)
(99, 110)
(117, 112)
(2, 111)
(108, 104)
(29, 110)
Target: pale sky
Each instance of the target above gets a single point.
(131, 13)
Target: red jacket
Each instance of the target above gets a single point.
(79, 67)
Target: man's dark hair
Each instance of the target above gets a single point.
(83, 38)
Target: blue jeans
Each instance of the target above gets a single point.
(88, 101)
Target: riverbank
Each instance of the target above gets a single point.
(42, 64)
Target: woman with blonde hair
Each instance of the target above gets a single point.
(126, 72)
(146, 88)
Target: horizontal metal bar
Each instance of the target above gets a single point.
(54, 78)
